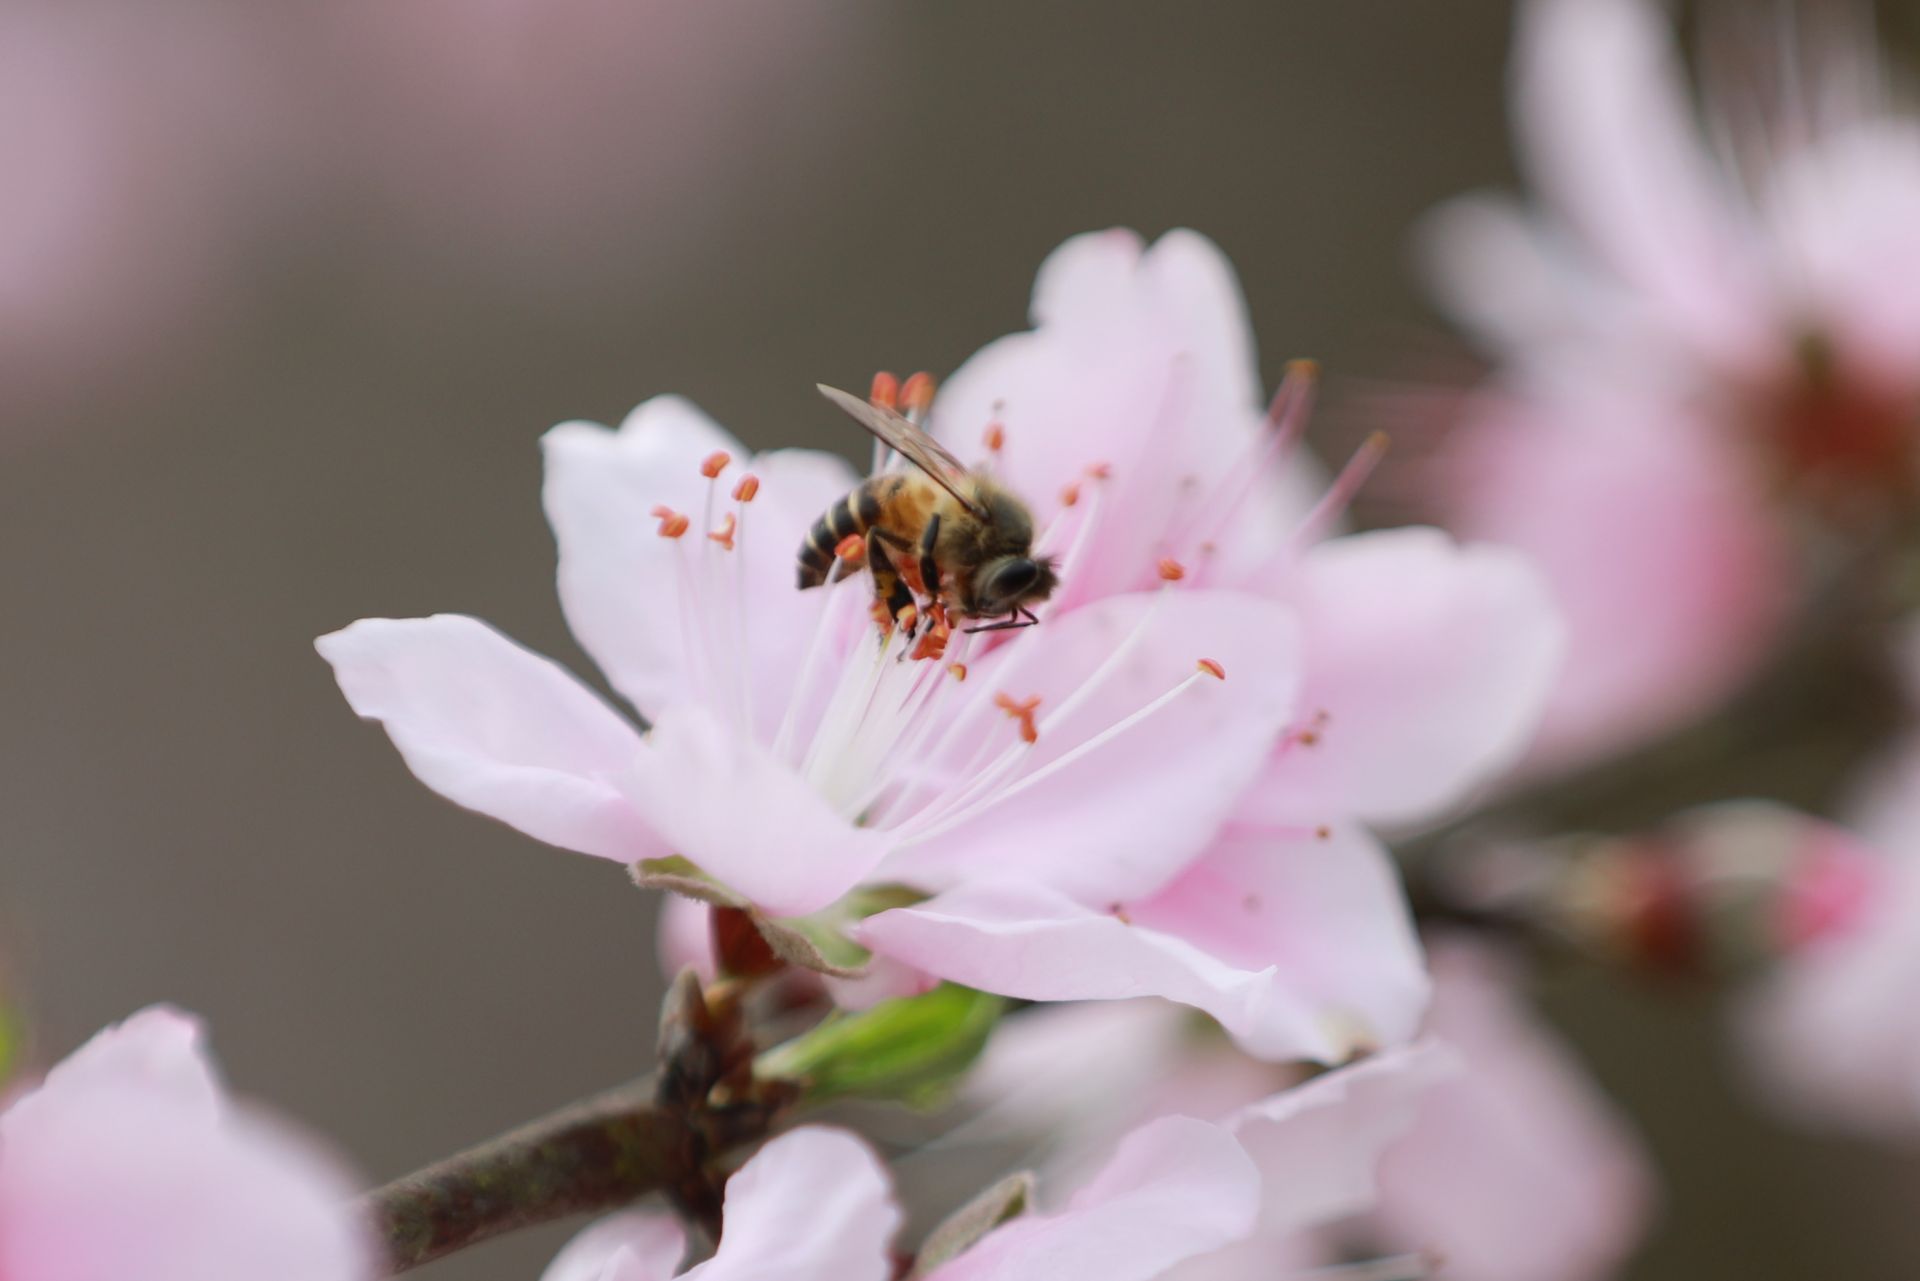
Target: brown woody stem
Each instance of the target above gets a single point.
(593, 1155)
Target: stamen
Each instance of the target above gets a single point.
(1339, 494)
(916, 396)
(957, 670)
(886, 391)
(1171, 570)
(1069, 495)
(1306, 734)
(672, 523)
(994, 438)
(724, 534)
(715, 463)
(1100, 471)
(1213, 669)
(1287, 416)
(744, 491)
(1021, 711)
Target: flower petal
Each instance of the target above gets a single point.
(1428, 665)
(496, 728)
(813, 1205)
(1032, 942)
(1606, 131)
(1141, 360)
(120, 1168)
(625, 589)
(636, 1246)
(1176, 1188)
(1324, 911)
(1120, 820)
(745, 819)
(1317, 1144)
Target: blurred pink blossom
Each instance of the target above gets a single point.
(1832, 1035)
(1508, 1165)
(1132, 418)
(130, 1161)
(1698, 344)
(815, 1203)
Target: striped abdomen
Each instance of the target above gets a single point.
(854, 514)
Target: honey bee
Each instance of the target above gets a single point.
(967, 538)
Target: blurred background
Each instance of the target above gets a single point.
(287, 296)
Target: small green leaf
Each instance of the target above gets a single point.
(1007, 1199)
(912, 1049)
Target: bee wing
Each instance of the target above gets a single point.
(911, 442)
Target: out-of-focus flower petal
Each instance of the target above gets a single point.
(1517, 1169)
(1668, 575)
(1325, 913)
(625, 588)
(1176, 1188)
(1119, 821)
(636, 1246)
(496, 728)
(812, 1205)
(121, 1168)
(1428, 665)
(748, 821)
(1600, 105)
(1317, 1144)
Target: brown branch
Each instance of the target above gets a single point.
(593, 1155)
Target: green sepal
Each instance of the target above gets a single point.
(913, 1049)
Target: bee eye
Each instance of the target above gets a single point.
(1011, 577)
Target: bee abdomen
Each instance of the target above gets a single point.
(854, 514)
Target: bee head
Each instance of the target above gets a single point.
(1010, 581)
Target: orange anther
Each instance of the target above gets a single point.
(672, 523)
(933, 641)
(1172, 570)
(661, 511)
(886, 391)
(852, 547)
(907, 615)
(995, 437)
(744, 491)
(957, 670)
(1070, 495)
(1322, 832)
(916, 394)
(1100, 471)
(724, 534)
(1213, 669)
(1021, 710)
(715, 463)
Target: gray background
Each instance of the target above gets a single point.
(191, 813)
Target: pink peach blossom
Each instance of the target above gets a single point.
(791, 755)
(129, 1160)
(1698, 345)
(815, 1203)
(1131, 416)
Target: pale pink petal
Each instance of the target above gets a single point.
(1140, 359)
(813, 1205)
(1606, 132)
(684, 937)
(625, 589)
(745, 819)
(1317, 1145)
(114, 1171)
(1118, 821)
(1325, 913)
(1028, 941)
(1517, 1169)
(1176, 1189)
(160, 1049)
(1665, 612)
(1428, 665)
(636, 1246)
(1495, 269)
(496, 728)
(1072, 1071)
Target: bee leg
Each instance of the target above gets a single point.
(888, 587)
(930, 568)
